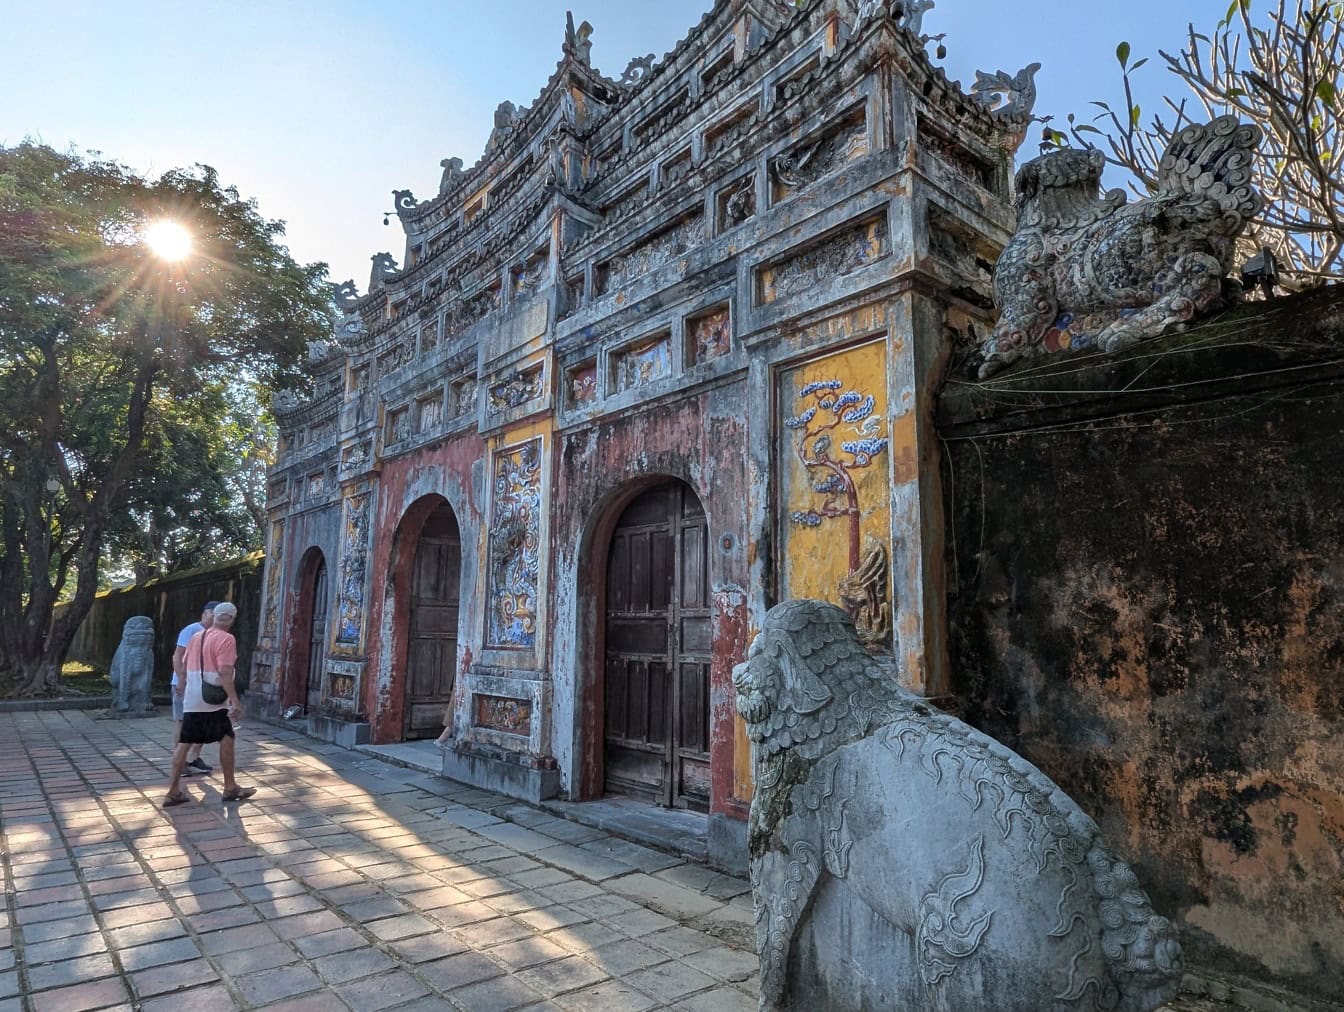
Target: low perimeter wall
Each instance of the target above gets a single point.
(1146, 570)
(173, 602)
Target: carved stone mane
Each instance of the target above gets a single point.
(980, 883)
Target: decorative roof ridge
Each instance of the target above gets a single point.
(490, 219)
(524, 122)
(630, 91)
(416, 300)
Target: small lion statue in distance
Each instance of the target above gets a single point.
(1084, 271)
(132, 672)
(876, 813)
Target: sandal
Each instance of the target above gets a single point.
(177, 798)
(239, 793)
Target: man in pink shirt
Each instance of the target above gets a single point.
(210, 704)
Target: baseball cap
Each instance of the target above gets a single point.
(210, 606)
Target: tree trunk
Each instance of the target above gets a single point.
(46, 640)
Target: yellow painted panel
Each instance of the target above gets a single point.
(834, 483)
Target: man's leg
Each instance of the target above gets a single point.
(226, 763)
(232, 792)
(193, 751)
(179, 760)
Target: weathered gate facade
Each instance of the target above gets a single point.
(667, 352)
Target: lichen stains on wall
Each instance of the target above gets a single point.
(1150, 606)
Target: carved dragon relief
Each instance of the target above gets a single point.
(948, 934)
(1006, 892)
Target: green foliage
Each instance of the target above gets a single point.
(1282, 70)
(127, 383)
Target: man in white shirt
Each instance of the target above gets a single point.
(195, 764)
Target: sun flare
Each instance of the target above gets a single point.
(168, 240)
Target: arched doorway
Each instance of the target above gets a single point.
(657, 651)
(431, 648)
(308, 636)
(317, 636)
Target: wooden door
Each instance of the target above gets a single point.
(431, 655)
(658, 651)
(317, 639)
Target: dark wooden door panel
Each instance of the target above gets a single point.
(693, 729)
(657, 651)
(317, 639)
(431, 655)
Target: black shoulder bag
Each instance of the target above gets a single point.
(211, 694)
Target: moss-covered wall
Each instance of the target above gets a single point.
(173, 602)
(1146, 566)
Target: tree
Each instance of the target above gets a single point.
(1284, 76)
(108, 357)
(831, 474)
(214, 509)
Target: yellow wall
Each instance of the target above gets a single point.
(815, 558)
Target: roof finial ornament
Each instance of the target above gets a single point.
(636, 70)
(452, 172)
(384, 269)
(346, 296)
(909, 14)
(505, 116)
(1010, 97)
(913, 22)
(578, 42)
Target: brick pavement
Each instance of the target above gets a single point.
(346, 883)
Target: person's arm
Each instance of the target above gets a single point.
(226, 663)
(226, 683)
(180, 671)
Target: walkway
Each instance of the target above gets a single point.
(346, 883)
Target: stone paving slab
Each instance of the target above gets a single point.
(347, 883)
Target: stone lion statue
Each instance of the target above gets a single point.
(901, 859)
(1085, 271)
(132, 670)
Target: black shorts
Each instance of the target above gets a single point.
(206, 728)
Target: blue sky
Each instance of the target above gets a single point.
(320, 108)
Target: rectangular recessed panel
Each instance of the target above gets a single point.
(639, 571)
(630, 771)
(426, 715)
(660, 570)
(637, 700)
(696, 635)
(693, 567)
(658, 697)
(615, 697)
(694, 707)
(637, 636)
(695, 782)
(618, 575)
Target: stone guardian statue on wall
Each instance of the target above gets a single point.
(1085, 271)
(132, 671)
(901, 859)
